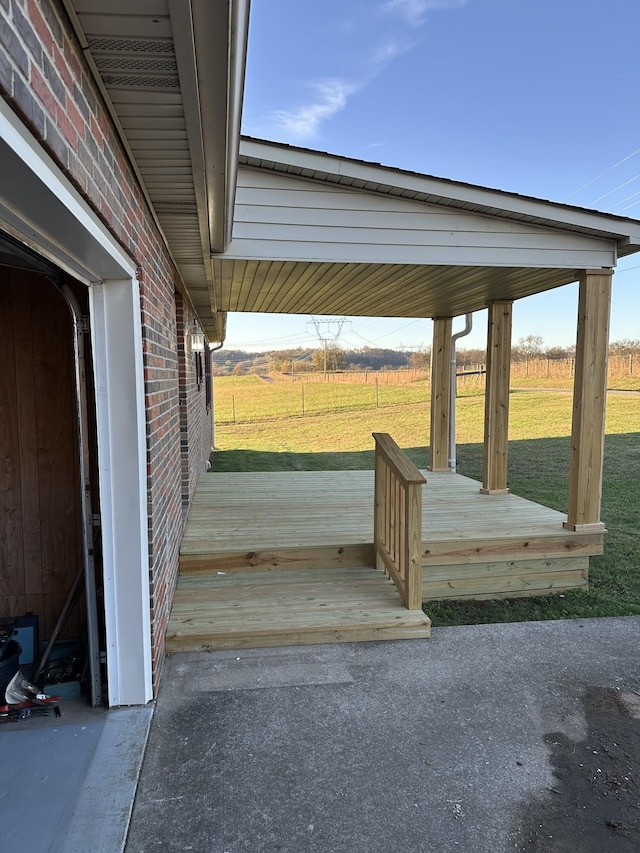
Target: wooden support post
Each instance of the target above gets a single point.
(496, 401)
(440, 393)
(589, 402)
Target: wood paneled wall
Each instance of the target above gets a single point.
(40, 521)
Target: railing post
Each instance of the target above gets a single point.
(397, 525)
(413, 546)
(379, 520)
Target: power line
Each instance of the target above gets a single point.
(615, 189)
(301, 338)
(628, 269)
(602, 174)
(406, 326)
(366, 340)
(622, 201)
(628, 207)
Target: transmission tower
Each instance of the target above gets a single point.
(328, 331)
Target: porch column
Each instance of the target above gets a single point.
(440, 393)
(496, 401)
(589, 401)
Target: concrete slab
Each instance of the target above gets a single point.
(458, 743)
(67, 785)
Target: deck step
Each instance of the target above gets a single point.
(294, 607)
(268, 559)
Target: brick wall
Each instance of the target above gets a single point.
(43, 76)
(196, 418)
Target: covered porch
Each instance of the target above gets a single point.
(271, 559)
(285, 558)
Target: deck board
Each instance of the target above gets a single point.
(246, 609)
(259, 514)
(275, 558)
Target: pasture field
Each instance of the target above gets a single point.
(340, 417)
(337, 434)
(242, 402)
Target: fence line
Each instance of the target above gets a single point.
(311, 394)
(620, 366)
(350, 377)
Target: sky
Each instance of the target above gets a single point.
(537, 97)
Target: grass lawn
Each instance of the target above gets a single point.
(533, 414)
(538, 470)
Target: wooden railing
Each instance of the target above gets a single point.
(397, 527)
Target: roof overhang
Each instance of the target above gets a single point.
(322, 234)
(386, 180)
(172, 73)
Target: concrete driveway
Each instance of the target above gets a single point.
(485, 738)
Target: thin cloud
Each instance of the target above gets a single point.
(304, 122)
(414, 12)
(331, 95)
(383, 55)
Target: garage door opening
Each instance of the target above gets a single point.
(50, 555)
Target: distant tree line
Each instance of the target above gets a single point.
(300, 360)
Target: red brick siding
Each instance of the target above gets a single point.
(196, 430)
(44, 77)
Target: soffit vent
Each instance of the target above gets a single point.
(141, 81)
(136, 63)
(176, 208)
(124, 45)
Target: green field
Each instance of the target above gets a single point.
(341, 417)
(540, 423)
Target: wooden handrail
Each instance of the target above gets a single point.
(397, 526)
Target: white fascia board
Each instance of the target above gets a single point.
(183, 39)
(220, 35)
(239, 35)
(494, 202)
(60, 221)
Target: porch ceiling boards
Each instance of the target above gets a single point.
(374, 290)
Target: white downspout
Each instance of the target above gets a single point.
(468, 323)
(213, 402)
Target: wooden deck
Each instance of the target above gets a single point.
(295, 607)
(273, 558)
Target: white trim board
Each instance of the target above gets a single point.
(40, 207)
(42, 204)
